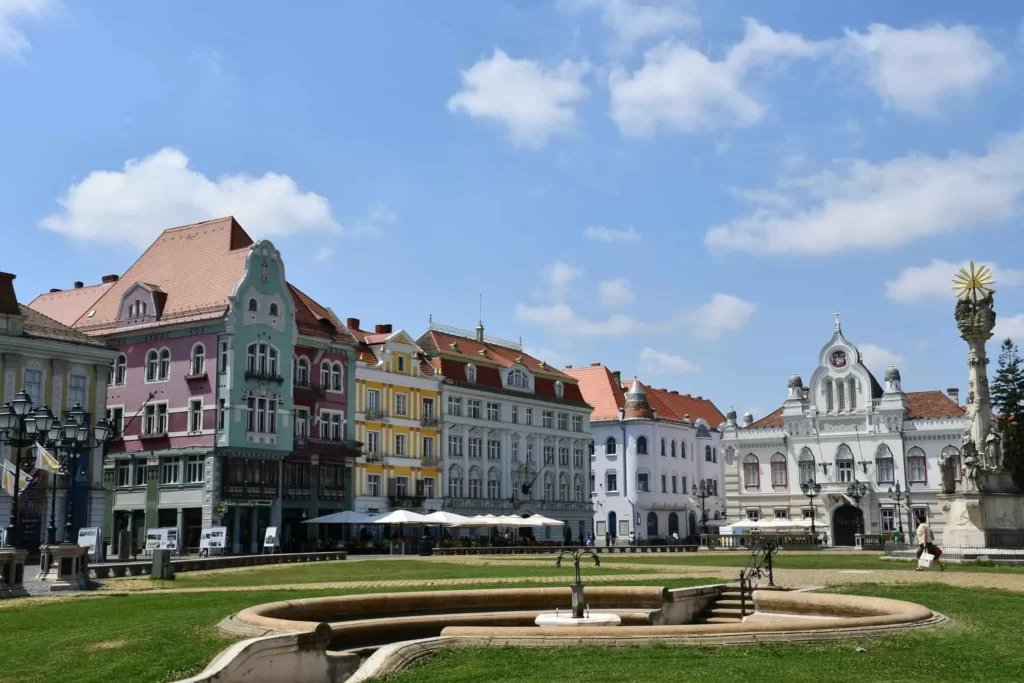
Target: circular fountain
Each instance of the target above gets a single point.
(580, 614)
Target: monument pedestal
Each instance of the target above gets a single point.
(67, 566)
(12, 573)
(983, 520)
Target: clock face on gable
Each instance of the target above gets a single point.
(838, 359)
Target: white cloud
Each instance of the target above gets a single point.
(323, 254)
(936, 280)
(559, 276)
(134, 205)
(724, 313)
(563, 319)
(1011, 326)
(878, 359)
(863, 205)
(373, 223)
(635, 22)
(549, 356)
(616, 292)
(602, 234)
(654, 361)
(773, 198)
(13, 42)
(680, 88)
(532, 101)
(917, 70)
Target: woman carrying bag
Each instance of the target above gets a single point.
(926, 544)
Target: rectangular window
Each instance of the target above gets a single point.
(169, 470)
(400, 445)
(115, 418)
(563, 421)
(476, 446)
(429, 486)
(642, 481)
(529, 417)
(684, 485)
(195, 468)
(455, 405)
(223, 367)
(161, 418)
(493, 449)
(563, 456)
(221, 414)
(141, 472)
(372, 442)
(401, 404)
(577, 457)
(301, 423)
(401, 363)
(884, 471)
(593, 489)
(515, 450)
(888, 520)
(918, 473)
(261, 415)
(611, 483)
(781, 513)
(515, 415)
(779, 477)
(529, 451)
(428, 408)
(674, 489)
(547, 419)
(77, 387)
(577, 423)
(372, 401)
(428, 448)
(664, 483)
(549, 455)
(373, 485)
(335, 427)
(753, 515)
(493, 411)
(250, 414)
(473, 409)
(921, 511)
(808, 513)
(400, 486)
(195, 415)
(454, 445)
(33, 386)
(124, 473)
(806, 471)
(845, 468)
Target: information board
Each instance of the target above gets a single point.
(216, 537)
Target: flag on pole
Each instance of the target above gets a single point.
(45, 460)
(10, 473)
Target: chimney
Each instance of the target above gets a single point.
(595, 365)
(568, 367)
(480, 331)
(54, 289)
(107, 279)
(352, 323)
(382, 329)
(954, 395)
(806, 393)
(617, 376)
(8, 299)
(748, 419)
(79, 284)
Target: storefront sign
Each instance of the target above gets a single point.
(249, 503)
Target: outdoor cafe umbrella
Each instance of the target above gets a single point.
(346, 517)
(541, 520)
(448, 518)
(402, 517)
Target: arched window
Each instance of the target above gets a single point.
(751, 472)
(549, 486)
(198, 359)
(455, 481)
(612, 521)
(714, 454)
(663, 446)
(609, 446)
(471, 373)
(254, 306)
(806, 466)
(577, 488)
(559, 389)
(844, 464)
(707, 454)
(336, 376)
(884, 470)
(120, 370)
(493, 483)
(954, 453)
(917, 464)
(780, 475)
(682, 449)
(165, 364)
(563, 486)
(829, 397)
(302, 372)
(641, 445)
(840, 395)
(673, 448)
(853, 393)
(518, 378)
(325, 375)
(273, 309)
(476, 482)
(272, 361)
(652, 525)
(673, 524)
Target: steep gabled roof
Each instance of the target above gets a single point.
(675, 406)
(599, 390)
(39, 326)
(772, 419)
(66, 306)
(931, 404)
(317, 321)
(440, 343)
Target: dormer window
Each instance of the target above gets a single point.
(559, 389)
(138, 309)
(517, 378)
(471, 373)
(273, 309)
(254, 306)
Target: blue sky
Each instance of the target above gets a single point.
(684, 190)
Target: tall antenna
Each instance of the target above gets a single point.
(481, 307)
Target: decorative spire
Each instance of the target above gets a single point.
(839, 328)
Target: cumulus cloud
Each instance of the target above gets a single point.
(323, 254)
(610, 235)
(680, 88)
(533, 102)
(935, 281)
(659, 362)
(724, 313)
(559, 276)
(1011, 326)
(616, 292)
(864, 205)
(917, 70)
(13, 41)
(379, 217)
(634, 22)
(133, 205)
(878, 359)
(563, 319)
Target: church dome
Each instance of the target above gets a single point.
(795, 382)
(731, 415)
(892, 374)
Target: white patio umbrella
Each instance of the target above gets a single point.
(448, 518)
(402, 517)
(541, 520)
(346, 517)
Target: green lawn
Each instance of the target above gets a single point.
(140, 638)
(370, 570)
(983, 645)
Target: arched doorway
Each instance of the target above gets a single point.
(652, 525)
(673, 523)
(692, 523)
(613, 524)
(845, 525)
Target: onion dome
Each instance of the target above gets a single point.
(892, 374)
(795, 382)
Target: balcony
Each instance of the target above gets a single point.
(306, 392)
(195, 377)
(405, 501)
(374, 456)
(430, 461)
(376, 415)
(332, 494)
(430, 421)
(312, 445)
(250, 491)
(153, 435)
(295, 492)
(263, 375)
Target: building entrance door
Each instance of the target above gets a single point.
(845, 525)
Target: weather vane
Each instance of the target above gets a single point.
(968, 284)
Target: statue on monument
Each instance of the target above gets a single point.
(971, 484)
(993, 450)
(947, 466)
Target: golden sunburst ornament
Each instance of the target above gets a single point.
(974, 283)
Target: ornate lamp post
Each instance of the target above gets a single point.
(703, 492)
(900, 497)
(17, 430)
(858, 490)
(811, 489)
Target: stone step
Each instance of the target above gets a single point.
(722, 620)
(732, 595)
(735, 602)
(726, 612)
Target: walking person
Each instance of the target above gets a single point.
(926, 543)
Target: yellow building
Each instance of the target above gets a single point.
(398, 408)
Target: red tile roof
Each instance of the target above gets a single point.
(599, 390)
(68, 305)
(316, 321)
(772, 419)
(933, 404)
(40, 326)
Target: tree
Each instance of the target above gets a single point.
(1008, 401)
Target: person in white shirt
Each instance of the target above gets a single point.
(926, 543)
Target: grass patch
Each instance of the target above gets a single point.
(983, 645)
(147, 637)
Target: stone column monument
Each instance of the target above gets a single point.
(987, 509)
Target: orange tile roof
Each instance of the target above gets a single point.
(772, 419)
(68, 305)
(197, 266)
(316, 321)
(674, 406)
(933, 404)
(40, 326)
(599, 390)
(434, 342)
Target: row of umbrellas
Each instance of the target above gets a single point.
(766, 525)
(439, 518)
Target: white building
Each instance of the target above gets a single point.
(653, 450)
(842, 429)
(515, 431)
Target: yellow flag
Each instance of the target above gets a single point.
(45, 459)
(9, 475)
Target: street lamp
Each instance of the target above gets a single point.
(811, 489)
(704, 492)
(900, 497)
(17, 430)
(858, 490)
